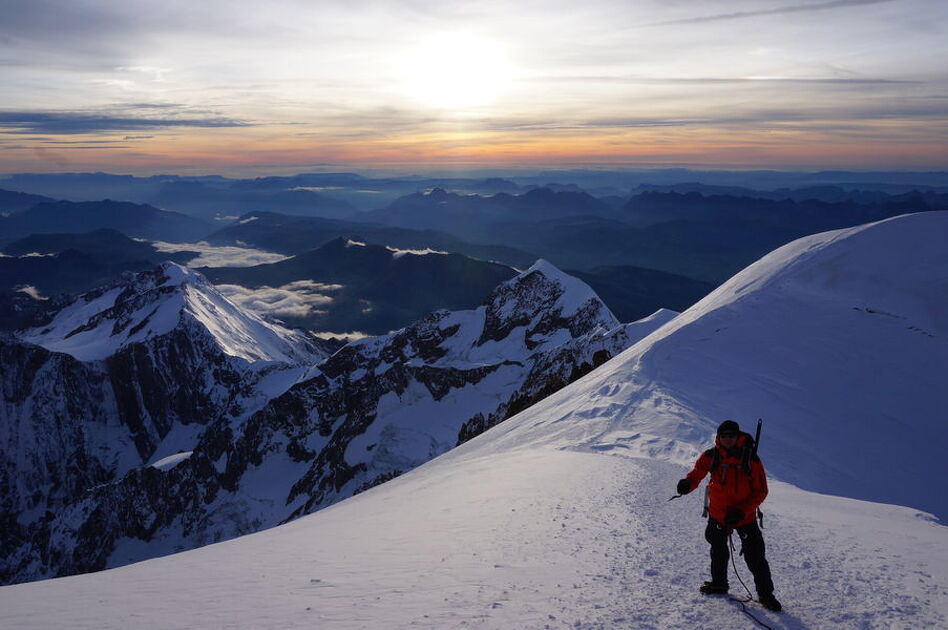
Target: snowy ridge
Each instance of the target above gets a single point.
(101, 323)
(838, 341)
(559, 518)
(377, 408)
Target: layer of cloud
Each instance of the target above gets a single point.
(31, 291)
(322, 82)
(398, 253)
(794, 8)
(302, 298)
(633, 80)
(346, 336)
(910, 109)
(66, 122)
(221, 255)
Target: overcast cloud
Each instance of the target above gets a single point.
(237, 82)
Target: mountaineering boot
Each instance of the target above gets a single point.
(770, 603)
(710, 588)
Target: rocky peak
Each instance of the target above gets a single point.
(548, 304)
(437, 195)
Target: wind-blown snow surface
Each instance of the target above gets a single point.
(539, 537)
(559, 516)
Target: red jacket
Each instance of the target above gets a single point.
(730, 485)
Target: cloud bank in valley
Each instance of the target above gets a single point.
(302, 298)
(221, 255)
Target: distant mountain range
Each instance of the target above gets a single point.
(375, 289)
(369, 193)
(208, 201)
(135, 220)
(866, 194)
(339, 287)
(369, 288)
(700, 233)
(331, 195)
(471, 214)
(75, 263)
(295, 235)
(708, 238)
(203, 197)
(12, 202)
(805, 216)
(703, 229)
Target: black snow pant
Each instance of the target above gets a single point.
(752, 548)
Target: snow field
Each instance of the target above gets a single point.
(543, 539)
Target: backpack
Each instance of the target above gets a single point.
(748, 454)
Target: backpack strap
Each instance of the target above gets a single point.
(745, 459)
(715, 456)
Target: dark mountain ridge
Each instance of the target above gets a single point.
(12, 202)
(708, 238)
(295, 235)
(463, 214)
(136, 220)
(379, 289)
(76, 263)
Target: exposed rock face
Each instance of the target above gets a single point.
(375, 409)
(121, 377)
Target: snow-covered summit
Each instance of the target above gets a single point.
(126, 375)
(153, 303)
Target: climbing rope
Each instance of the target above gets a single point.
(750, 596)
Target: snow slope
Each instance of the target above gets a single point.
(559, 517)
(839, 341)
(541, 537)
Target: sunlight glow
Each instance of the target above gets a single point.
(456, 71)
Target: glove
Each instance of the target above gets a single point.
(733, 516)
(683, 487)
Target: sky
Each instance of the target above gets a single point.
(247, 87)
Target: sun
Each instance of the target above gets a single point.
(456, 71)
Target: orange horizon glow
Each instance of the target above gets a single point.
(771, 148)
